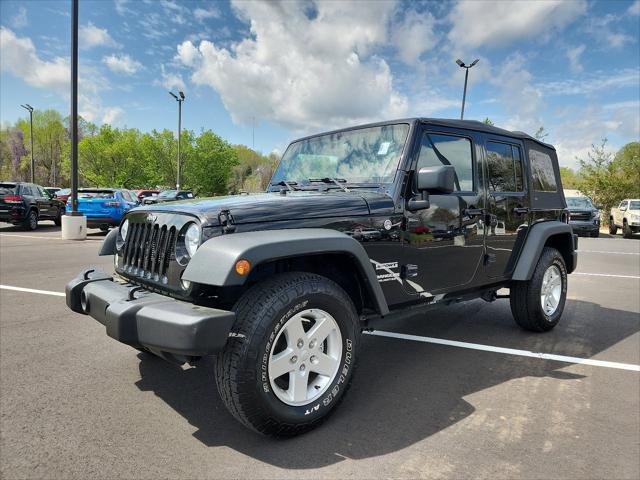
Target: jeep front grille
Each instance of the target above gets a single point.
(149, 249)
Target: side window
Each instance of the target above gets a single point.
(542, 174)
(437, 150)
(42, 192)
(623, 204)
(505, 167)
(26, 190)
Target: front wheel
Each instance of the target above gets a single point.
(291, 356)
(626, 230)
(537, 304)
(612, 227)
(58, 220)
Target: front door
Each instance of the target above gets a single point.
(508, 205)
(443, 244)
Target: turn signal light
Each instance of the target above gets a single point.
(243, 267)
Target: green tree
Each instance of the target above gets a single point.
(209, 168)
(568, 177)
(487, 121)
(541, 134)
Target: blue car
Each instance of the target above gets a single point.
(104, 207)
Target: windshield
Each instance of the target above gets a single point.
(7, 188)
(364, 155)
(146, 194)
(87, 194)
(634, 205)
(168, 193)
(579, 202)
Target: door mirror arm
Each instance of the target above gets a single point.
(419, 202)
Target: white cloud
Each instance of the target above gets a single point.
(19, 57)
(90, 36)
(201, 14)
(20, 19)
(634, 9)
(573, 54)
(170, 80)
(304, 66)
(602, 28)
(414, 35)
(122, 64)
(113, 115)
(593, 83)
(122, 8)
(478, 23)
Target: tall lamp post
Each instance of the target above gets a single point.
(461, 64)
(29, 108)
(179, 100)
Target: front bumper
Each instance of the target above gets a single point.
(591, 226)
(137, 317)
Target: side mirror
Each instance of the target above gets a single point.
(623, 209)
(434, 180)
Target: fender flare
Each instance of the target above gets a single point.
(537, 237)
(109, 243)
(214, 262)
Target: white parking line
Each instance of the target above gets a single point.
(32, 290)
(42, 237)
(613, 253)
(508, 351)
(605, 275)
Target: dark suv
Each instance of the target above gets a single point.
(584, 216)
(358, 226)
(169, 196)
(25, 204)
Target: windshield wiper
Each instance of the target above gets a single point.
(285, 183)
(335, 181)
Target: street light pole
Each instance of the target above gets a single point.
(29, 108)
(461, 64)
(179, 100)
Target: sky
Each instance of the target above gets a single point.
(263, 74)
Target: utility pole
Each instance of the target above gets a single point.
(461, 64)
(179, 100)
(29, 108)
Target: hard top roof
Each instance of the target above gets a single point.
(445, 122)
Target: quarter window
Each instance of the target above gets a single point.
(438, 150)
(505, 167)
(542, 173)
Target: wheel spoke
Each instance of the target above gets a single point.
(324, 365)
(281, 364)
(321, 330)
(294, 331)
(298, 383)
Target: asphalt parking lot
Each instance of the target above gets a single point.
(462, 397)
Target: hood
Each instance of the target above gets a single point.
(273, 207)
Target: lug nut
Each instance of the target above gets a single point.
(300, 343)
(302, 367)
(294, 359)
(312, 344)
(313, 359)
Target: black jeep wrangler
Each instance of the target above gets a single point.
(358, 225)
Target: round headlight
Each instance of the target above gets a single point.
(123, 229)
(192, 239)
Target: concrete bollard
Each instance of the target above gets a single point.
(74, 227)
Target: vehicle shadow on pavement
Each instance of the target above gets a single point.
(402, 392)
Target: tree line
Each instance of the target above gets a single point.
(128, 158)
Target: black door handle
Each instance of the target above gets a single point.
(474, 212)
(521, 210)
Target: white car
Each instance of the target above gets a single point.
(625, 216)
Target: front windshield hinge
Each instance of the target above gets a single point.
(226, 221)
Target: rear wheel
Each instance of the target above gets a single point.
(612, 227)
(31, 220)
(292, 354)
(626, 230)
(537, 304)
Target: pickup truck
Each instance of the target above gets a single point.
(625, 216)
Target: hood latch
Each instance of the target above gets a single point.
(226, 221)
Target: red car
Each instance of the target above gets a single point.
(63, 194)
(146, 193)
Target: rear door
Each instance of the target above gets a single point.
(508, 211)
(45, 205)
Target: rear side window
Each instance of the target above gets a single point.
(505, 167)
(437, 150)
(96, 194)
(542, 175)
(26, 190)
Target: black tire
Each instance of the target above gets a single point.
(58, 220)
(595, 233)
(525, 296)
(612, 227)
(626, 230)
(242, 373)
(30, 221)
(104, 228)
